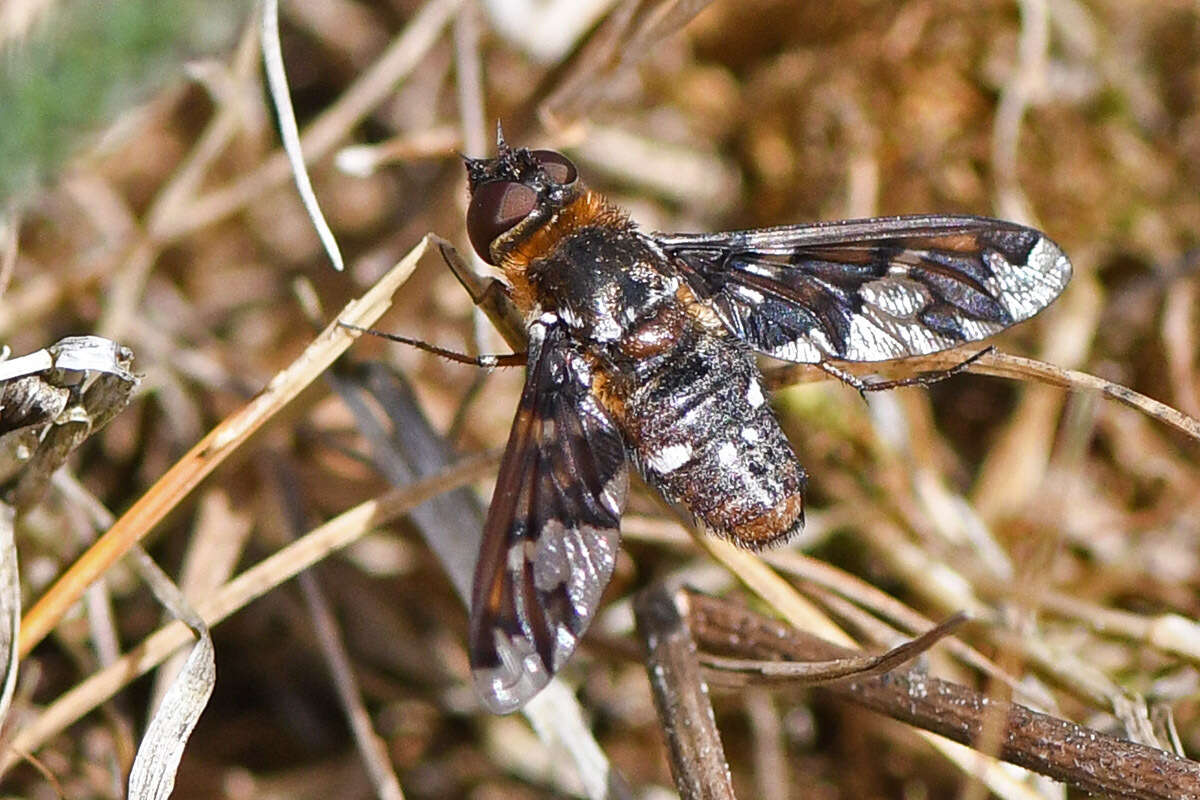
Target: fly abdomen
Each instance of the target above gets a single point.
(703, 434)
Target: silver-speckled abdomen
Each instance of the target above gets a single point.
(691, 405)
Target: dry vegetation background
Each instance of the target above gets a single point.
(1069, 523)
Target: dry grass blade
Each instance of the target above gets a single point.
(161, 749)
(211, 451)
(10, 607)
(213, 552)
(157, 762)
(254, 582)
(320, 137)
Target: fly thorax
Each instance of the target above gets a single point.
(600, 283)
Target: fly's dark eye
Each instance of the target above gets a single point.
(495, 208)
(558, 167)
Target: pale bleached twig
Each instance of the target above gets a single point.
(289, 132)
(331, 127)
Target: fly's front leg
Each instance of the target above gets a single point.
(488, 294)
(485, 361)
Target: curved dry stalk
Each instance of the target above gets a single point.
(738, 673)
(289, 132)
(822, 581)
(685, 712)
(1004, 365)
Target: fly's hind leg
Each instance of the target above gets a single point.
(920, 379)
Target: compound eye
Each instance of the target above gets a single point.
(495, 208)
(557, 167)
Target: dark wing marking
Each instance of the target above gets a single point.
(873, 289)
(551, 536)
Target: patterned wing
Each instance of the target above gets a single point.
(551, 536)
(874, 289)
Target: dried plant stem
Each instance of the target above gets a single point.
(224, 439)
(681, 697)
(371, 747)
(1065, 751)
(1003, 365)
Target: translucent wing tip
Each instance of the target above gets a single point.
(1028, 280)
(1052, 260)
(513, 682)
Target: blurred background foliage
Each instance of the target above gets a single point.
(70, 67)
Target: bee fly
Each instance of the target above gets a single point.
(642, 348)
